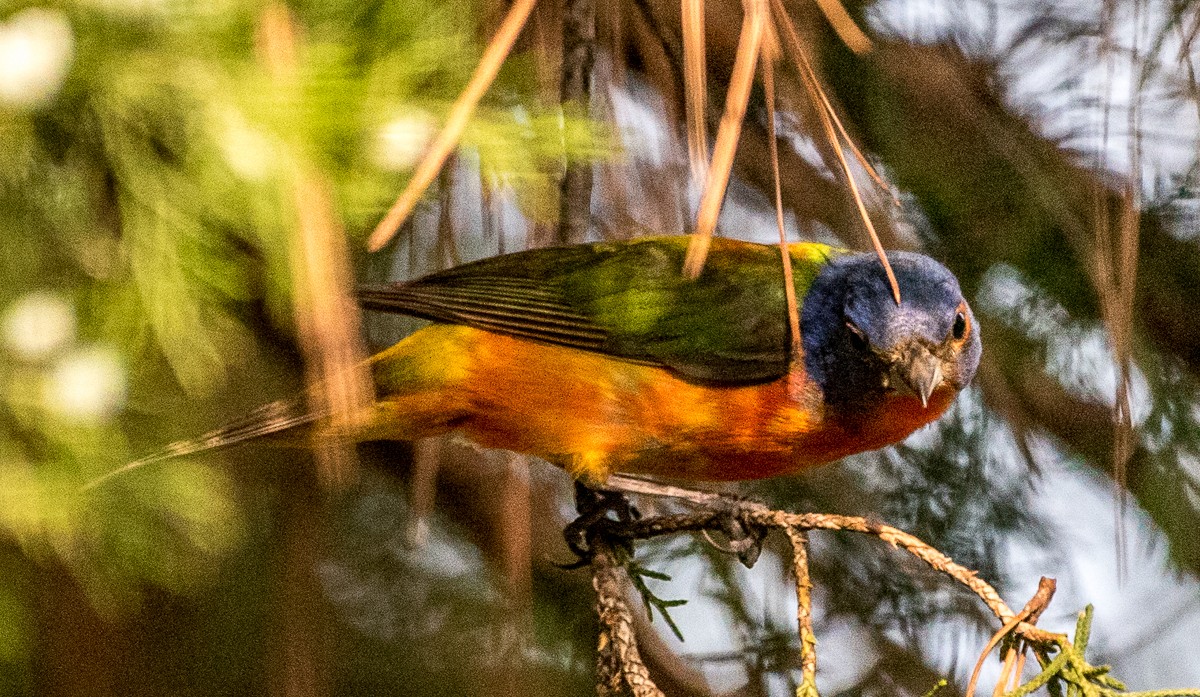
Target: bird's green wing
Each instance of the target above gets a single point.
(628, 300)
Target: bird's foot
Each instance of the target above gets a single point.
(744, 538)
(594, 506)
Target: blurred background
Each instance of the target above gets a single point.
(185, 193)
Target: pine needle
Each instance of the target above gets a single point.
(460, 114)
(789, 284)
(325, 309)
(749, 43)
(844, 25)
(1114, 251)
(824, 109)
(327, 315)
(1030, 613)
(807, 69)
(695, 74)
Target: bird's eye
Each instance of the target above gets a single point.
(857, 338)
(960, 326)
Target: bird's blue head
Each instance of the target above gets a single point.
(859, 345)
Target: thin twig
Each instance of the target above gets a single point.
(460, 114)
(808, 638)
(1029, 614)
(620, 665)
(911, 544)
(711, 517)
(610, 543)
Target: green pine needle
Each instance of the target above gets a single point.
(638, 574)
(1071, 672)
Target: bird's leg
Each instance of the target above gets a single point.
(589, 500)
(593, 506)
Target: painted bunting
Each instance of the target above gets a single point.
(604, 358)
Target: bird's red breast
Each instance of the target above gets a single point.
(596, 415)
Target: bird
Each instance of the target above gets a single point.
(605, 358)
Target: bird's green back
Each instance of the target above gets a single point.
(629, 300)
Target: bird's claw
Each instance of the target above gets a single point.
(744, 537)
(593, 507)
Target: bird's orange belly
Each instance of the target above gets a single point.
(595, 415)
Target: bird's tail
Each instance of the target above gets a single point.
(270, 419)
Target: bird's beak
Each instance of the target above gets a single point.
(920, 371)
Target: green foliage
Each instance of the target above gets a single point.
(1070, 673)
(638, 574)
(146, 212)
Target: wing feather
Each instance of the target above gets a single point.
(628, 300)
(529, 322)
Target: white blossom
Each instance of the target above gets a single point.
(38, 324)
(36, 46)
(250, 153)
(401, 142)
(86, 385)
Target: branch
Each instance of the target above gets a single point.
(610, 547)
(808, 639)
(617, 658)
